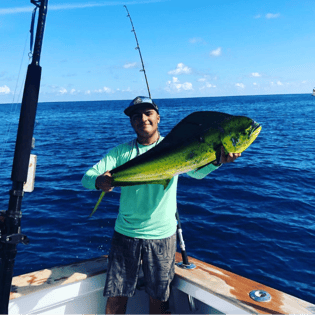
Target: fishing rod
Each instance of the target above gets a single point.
(185, 264)
(10, 221)
(138, 48)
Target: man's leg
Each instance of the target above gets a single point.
(159, 269)
(122, 274)
(157, 306)
(116, 305)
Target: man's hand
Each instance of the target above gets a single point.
(104, 182)
(231, 157)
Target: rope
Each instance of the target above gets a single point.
(32, 29)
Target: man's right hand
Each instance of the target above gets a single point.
(104, 182)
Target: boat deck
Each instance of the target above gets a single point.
(78, 288)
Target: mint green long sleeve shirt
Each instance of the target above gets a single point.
(145, 211)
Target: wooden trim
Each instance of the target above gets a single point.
(236, 289)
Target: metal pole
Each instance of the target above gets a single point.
(185, 263)
(11, 227)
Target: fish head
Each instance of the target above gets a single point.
(238, 133)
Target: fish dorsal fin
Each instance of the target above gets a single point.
(194, 125)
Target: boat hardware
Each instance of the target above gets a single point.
(192, 305)
(30, 182)
(260, 296)
(185, 264)
(14, 239)
(11, 225)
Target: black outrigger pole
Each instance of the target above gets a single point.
(10, 223)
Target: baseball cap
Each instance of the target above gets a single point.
(138, 102)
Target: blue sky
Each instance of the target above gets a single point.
(190, 48)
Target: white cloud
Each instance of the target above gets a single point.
(127, 90)
(254, 83)
(4, 90)
(217, 52)
(105, 89)
(15, 10)
(240, 85)
(70, 6)
(187, 86)
(208, 86)
(202, 80)
(256, 74)
(272, 16)
(63, 91)
(196, 40)
(176, 86)
(130, 65)
(180, 69)
(279, 83)
(268, 16)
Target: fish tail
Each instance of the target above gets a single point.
(98, 203)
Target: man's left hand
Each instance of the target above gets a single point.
(228, 158)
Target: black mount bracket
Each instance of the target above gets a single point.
(10, 238)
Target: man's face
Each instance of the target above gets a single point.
(145, 121)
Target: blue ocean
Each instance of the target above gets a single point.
(254, 217)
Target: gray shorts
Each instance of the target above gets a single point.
(125, 258)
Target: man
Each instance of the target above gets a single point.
(145, 229)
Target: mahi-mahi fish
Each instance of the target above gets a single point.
(193, 143)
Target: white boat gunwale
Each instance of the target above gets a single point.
(223, 291)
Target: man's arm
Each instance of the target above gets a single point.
(204, 171)
(96, 176)
(104, 182)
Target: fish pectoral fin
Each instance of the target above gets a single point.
(166, 182)
(199, 168)
(98, 202)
